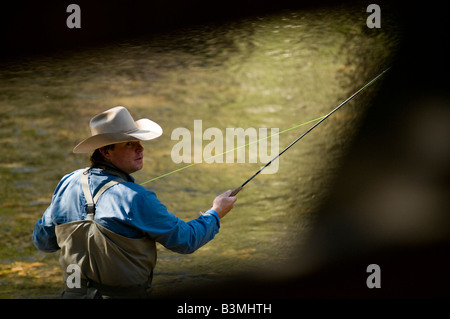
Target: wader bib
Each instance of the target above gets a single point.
(112, 266)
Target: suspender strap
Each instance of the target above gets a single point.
(88, 196)
(87, 193)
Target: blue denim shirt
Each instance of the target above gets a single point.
(127, 209)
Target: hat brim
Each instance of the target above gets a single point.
(146, 130)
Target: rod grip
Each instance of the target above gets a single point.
(235, 191)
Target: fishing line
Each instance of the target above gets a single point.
(239, 188)
(232, 150)
(319, 119)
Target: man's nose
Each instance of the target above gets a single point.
(139, 147)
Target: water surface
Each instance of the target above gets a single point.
(273, 71)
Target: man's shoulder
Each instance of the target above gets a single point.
(137, 189)
(130, 188)
(68, 181)
(71, 176)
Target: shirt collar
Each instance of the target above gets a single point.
(113, 170)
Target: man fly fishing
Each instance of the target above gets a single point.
(107, 225)
(112, 237)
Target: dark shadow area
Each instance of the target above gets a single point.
(30, 28)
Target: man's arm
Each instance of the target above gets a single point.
(176, 234)
(44, 237)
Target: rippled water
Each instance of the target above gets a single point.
(274, 71)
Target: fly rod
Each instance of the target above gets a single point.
(239, 188)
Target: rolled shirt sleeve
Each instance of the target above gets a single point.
(44, 237)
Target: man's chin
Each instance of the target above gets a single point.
(138, 168)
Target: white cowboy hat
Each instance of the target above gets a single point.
(116, 126)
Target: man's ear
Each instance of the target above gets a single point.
(105, 152)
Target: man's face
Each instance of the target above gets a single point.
(127, 156)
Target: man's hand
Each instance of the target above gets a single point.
(223, 203)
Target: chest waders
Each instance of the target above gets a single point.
(112, 266)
